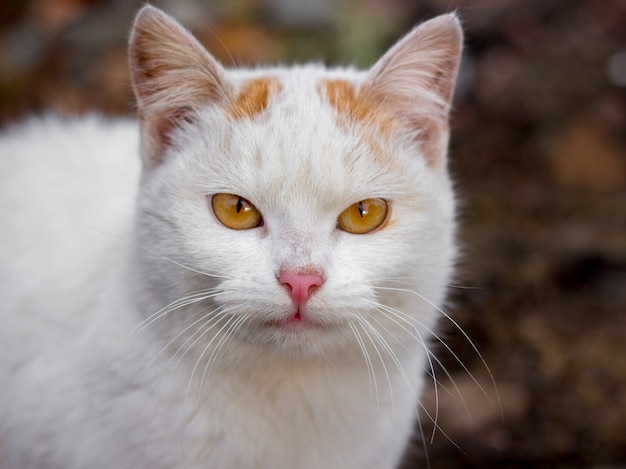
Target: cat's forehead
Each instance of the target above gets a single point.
(299, 88)
(296, 77)
(304, 131)
(310, 105)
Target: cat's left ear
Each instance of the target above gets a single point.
(415, 80)
(172, 75)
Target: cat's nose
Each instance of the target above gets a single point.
(300, 285)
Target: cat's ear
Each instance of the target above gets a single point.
(172, 75)
(415, 80)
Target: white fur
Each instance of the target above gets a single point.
(90, 378)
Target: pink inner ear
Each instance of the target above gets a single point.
(172, 73)
(161, 129)
(415, 80)
(168, 122)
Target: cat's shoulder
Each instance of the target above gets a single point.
(52, 150)
(59, 174)
(52, 136)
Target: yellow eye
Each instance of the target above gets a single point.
(363, 217)
(236, 212)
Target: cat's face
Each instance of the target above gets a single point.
(309, 196)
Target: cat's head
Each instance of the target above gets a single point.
(303, 201)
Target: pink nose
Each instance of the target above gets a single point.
(300, 285)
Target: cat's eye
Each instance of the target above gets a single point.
(364, 216)
(235, 212)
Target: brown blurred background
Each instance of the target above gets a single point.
(539, 156)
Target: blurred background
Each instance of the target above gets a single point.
(538, 152)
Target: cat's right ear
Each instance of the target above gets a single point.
(172, 75)
(415, 79)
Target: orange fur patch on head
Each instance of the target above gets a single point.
(254, 97)
(378, 123)
(342, 95)
(357, 108)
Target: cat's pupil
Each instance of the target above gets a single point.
(362, 211)
(239, 204)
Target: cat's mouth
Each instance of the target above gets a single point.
(295, 322)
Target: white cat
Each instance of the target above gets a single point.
(257, 292)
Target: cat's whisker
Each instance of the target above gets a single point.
(456, 387)
(406, 318)
(432, 418)
(151, 251)
(447, 347)
(209, 317)
(429, 354)
(185, 266)
(420, 426)
(403, 281)
(465, 287)
(208, 368)
(394, 355)
(436, 383)
(438, 428)
(363, 323)
(420, 339)
(229, 320)
(174, 339)
(179, 303)
(368, 361)
(223, 332)
(202, 331)
(389, 350)
(413, 332)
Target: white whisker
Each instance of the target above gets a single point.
(432, 418)
(206, 348)
(180, 264)
(456, 388)
(213, 319)
(420, 340)
(391, 313)
(210, 314)
(179, 303)
(362, 322)
(370, 368)
(390, 351)
(214, 354)
(465, 335)
(407, 319)
(436, 425)
(465, 287)
(201, 332)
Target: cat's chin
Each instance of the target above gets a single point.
(295, 335)
(297, 324)
(294, 322)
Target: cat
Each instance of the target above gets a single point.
(247, 277)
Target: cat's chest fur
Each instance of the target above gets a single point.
(247, 277)
(284, 418)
